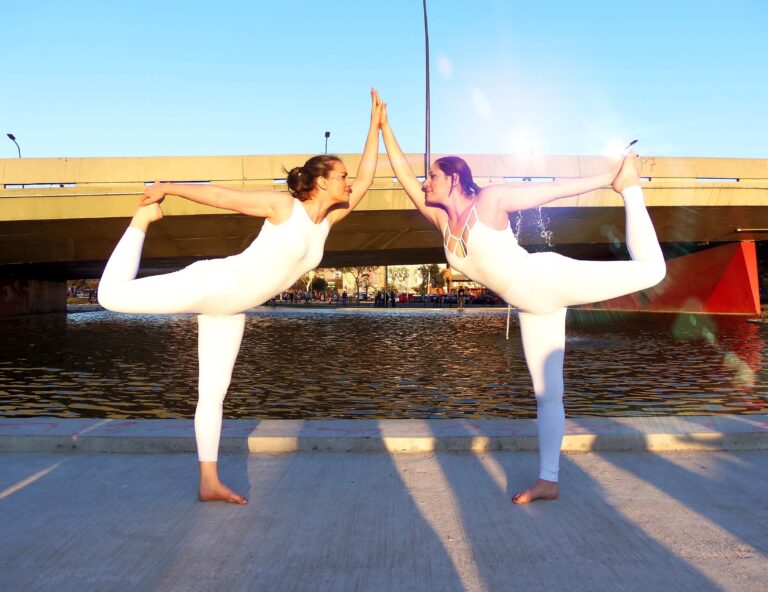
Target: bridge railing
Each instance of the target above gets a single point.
(267, 169)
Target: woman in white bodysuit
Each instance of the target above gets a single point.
(479, 242)
(289, 245)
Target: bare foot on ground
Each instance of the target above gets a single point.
(628, 174)
(211, 489)
(213, 492)
(546, 490)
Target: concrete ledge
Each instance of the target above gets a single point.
(658, 434)
(75, 308)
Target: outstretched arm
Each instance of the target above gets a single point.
(513, 197)
(403, 170)
(366, 171)
(250, 203)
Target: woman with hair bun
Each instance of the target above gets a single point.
(289, 245)
(479, 242)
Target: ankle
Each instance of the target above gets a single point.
(633, 191)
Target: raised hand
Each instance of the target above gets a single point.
(154, 194)
(376, 107)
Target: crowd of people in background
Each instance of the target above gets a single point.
(382, 298)
(386, 299)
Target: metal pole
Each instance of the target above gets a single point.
(327, 135)
(386, 287)
(427, 153)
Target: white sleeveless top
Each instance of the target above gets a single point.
(280, 254)
(492, 257)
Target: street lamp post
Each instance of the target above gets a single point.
(13, 139)
(327, 135)
(426, 130)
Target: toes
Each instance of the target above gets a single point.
(521, 498)
(237, 499)
(223, 494)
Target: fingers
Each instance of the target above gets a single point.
(153, 194)
(375, 98)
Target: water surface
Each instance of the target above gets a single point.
(401, 363)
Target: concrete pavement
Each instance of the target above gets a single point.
(671, 433)
(77, 520)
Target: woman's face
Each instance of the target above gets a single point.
(437, 186)
(339, 186)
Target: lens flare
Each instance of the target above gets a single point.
(445, 66)
(690, 326)
(744, 375)
(481, 103)
(615, 148)
(519, 142)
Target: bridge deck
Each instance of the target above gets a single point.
(62, 216)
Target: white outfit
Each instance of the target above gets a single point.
(218, 290)
(541, 286)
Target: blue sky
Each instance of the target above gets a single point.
(146, 78)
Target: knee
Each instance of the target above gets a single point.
(550, 393)
(107, 297)
(212, 391)
(657, 272)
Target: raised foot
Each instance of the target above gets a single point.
(218, 492)
(628, 174)
(546, 490)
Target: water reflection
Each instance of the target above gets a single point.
(402, 363)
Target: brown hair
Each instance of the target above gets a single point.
(301, 180)
(453, 165)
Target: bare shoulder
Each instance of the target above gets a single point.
(489, 208)
(488, 200)
(282, 207)
(499, 191)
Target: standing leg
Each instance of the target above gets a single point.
(543, 338)
(219, 339)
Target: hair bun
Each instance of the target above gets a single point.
(301, 179)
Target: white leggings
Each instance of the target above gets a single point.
(552, 283)
(188, 290)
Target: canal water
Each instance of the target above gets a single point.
(380, 363)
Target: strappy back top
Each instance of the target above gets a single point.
(485, 255)
(459, 242)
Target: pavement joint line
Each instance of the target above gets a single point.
(583, 434)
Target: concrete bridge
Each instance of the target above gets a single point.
(60, 218)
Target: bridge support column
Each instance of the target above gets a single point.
(720, 280)
(21, 296)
